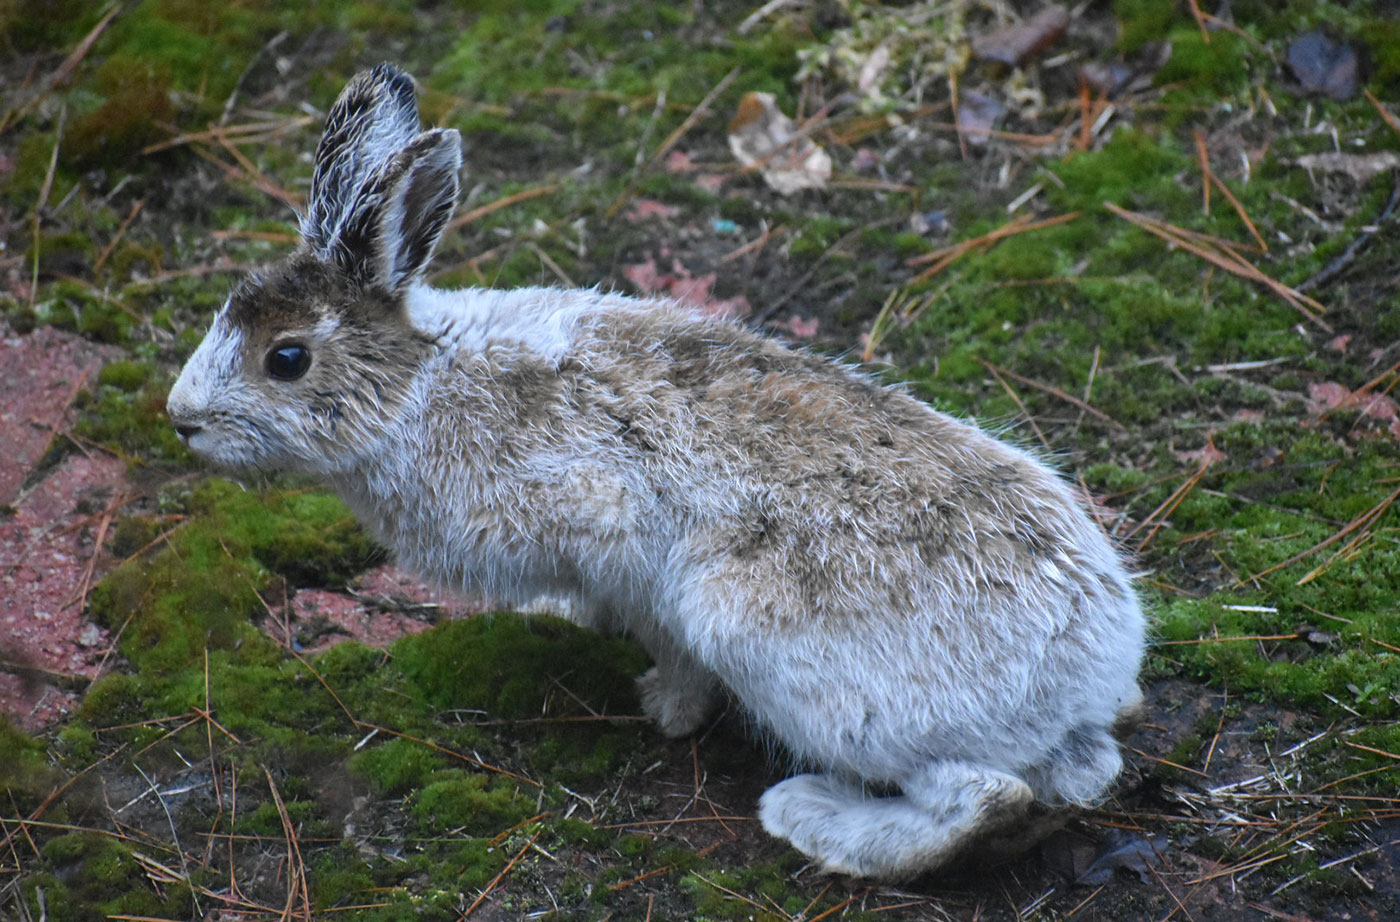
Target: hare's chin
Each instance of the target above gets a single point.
(213, 448)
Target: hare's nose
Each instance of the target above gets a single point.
(186, 432)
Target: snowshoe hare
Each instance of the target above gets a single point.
(912, 607)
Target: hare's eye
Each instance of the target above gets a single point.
(288, 362)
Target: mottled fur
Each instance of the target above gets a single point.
(901, 599)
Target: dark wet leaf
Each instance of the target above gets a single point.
(1017, 44)
(1324, 66)
(977, 115)
(1068, 853)
(1124, 851)
(1114, 78)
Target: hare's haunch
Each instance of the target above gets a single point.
(901, 599)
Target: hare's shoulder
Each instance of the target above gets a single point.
(545, 323)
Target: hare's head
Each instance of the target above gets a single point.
(307, 360)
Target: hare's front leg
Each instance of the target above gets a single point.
(849, 832)
(678, 693)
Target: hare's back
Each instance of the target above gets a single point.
(801, 454)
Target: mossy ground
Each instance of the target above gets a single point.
(404, 781)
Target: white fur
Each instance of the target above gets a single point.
(539, 321)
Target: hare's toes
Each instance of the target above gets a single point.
(677, 708)
(967, 796)
(844, 831)
(1082, 768)
(849, 832)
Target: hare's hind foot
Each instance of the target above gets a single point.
(836, 823)
(678, 707)
(1080, 770)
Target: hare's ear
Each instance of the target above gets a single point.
(400, 213)
(372, 119)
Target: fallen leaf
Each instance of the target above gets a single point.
(1207, 452)
(1360, 167)
(761, 136)
(1068, 853)
(1014, 45)
(1323, 65)
(644, 208)
(977, 115)
(802, 329)
(678, 283)
(1117, 77)
(1378, 406)
(1329, 395)
(1325, 395)
(678, 161)
(1122, 852)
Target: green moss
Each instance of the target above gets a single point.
(1142, 21)
(24, 772)
(202, 589)
(129, 417)
(126, 375)
(397, 766)
(1204, 70)
(133, 534)
(1132, 169)
(100, 877)
(471, 804)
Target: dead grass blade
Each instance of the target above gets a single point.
(70, 63)
(1239, 210)
(1373, 751)
(285, 237)
(1159, 515)
(505, 201)
(826, 914)
(1203, 159)
(64, 71)
(900, 309)
(1245, 637)
(247, 132)
(116, 238)
(672, 139)
(1200, 20)
(758, 243)
(1362, 521)
(1386, 115)
(1016, 398)
(470, 760)
(297, 890)
(1056, 392)
(696, 114)
(499, 877)
(1224, 257)
(943, 258)
(253, 177)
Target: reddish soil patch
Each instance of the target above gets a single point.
(53, 521)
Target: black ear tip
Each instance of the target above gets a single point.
(396, 80)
